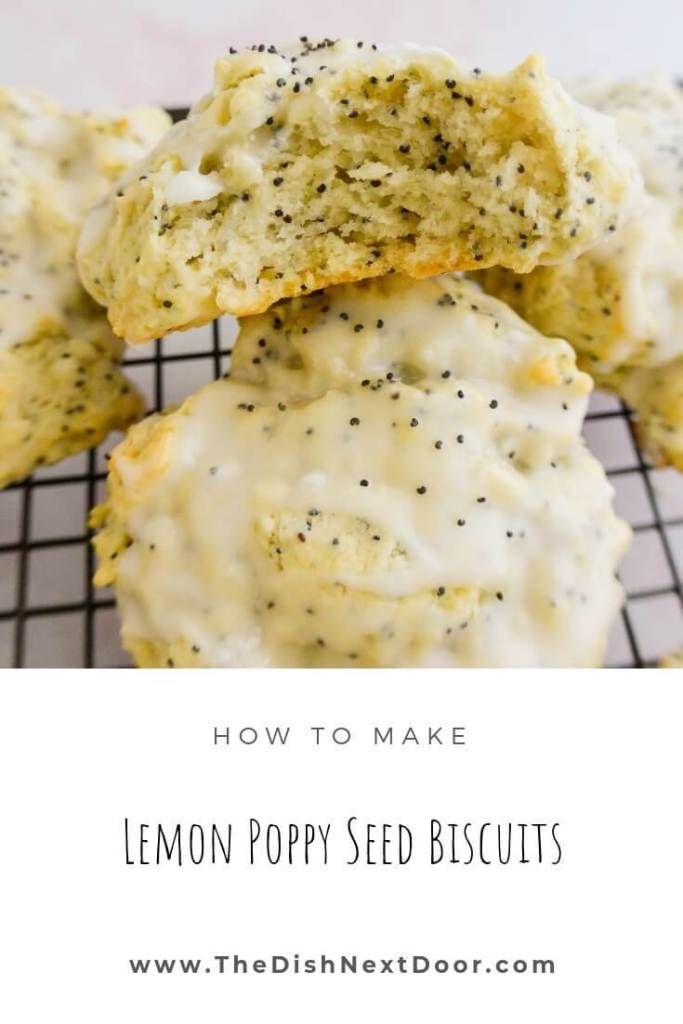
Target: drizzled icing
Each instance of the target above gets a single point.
(647, 252)
(54, 165)
(392, 475)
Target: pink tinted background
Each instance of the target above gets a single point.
(130, 51)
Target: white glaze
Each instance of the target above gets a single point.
(54, 165)
(192, 187)
(217, 478)
(648, 250)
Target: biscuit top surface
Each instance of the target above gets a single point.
(647, 252)
(649, 115)
(54, 166)
(392, 475)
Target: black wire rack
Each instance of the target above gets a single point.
(50, 614)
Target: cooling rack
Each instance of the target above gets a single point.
(50, 615)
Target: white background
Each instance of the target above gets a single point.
(92, 52)
(599, 753)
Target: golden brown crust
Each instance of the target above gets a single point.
(136, 332)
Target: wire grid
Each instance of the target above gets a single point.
(50, 615)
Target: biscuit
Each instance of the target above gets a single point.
(674, 660)
(61, 389)
(621, 304)
(655, 394)
(392, 474)
(337, 162)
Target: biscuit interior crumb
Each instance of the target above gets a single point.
(323, 165)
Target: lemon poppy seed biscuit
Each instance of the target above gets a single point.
(337, 162)
(392, 475)
(674, 660)
(655, 394)
(61, 389)
(621, 304)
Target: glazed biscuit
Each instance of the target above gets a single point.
(621, 304)
(336, 162)
(391, 475)
(61, 389)
(655, 394)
